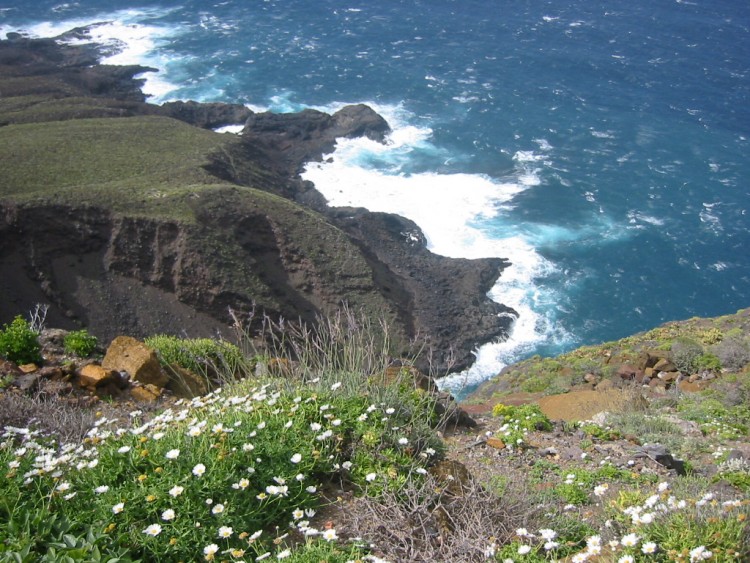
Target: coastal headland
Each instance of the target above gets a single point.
(129, 217)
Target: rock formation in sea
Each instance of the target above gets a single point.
(139, 241)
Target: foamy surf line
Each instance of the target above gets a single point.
(364, 173)
(124, 38)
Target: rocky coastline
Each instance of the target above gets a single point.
(126, 268)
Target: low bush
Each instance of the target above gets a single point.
(519, 421)
(19, 343)
(685, 353)
(202, 356)
(80, 343)
(708, 362)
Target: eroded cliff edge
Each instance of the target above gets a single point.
(130, 217)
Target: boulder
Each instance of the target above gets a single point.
(626, 371)
(668, 376)
(691, 386)
(664, 365)
(92, 376)
(649, 358)
(186, 384)
(138, 360)
(145, 394)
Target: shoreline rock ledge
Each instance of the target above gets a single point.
(231, 223)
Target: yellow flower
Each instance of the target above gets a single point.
(110, 527)
(142, 478)
(173, 541)
(144, 439)
(158, 470)
(150, 498)
(144, 453)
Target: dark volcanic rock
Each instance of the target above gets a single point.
(207, 116)
(297, 138)
(62, 70)
(445, 298)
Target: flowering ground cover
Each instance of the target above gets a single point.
(328, 462)
(232, 475)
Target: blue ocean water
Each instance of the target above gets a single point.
(601, 146)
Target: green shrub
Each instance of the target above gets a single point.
(202, 356)
(596, 431)
(708, 362)
(19, 343)
(685, 353)
(519, 420)
(80, 343)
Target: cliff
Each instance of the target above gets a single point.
(126, 216)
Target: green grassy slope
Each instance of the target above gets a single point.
(135, 155)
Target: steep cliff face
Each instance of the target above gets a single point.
(117, 274)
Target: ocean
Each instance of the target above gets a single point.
(601, 147)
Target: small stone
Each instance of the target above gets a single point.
(143, 395)
(668, 375)
(626, 371)
(28, 368)
(496, 443)
(591, 378)
(92, 376)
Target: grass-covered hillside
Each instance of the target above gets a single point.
(697, 345)
(121, 164)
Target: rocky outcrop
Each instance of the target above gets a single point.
(136, 359)
(207, 115)
(297, 138)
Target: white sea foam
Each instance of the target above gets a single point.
(125, 38)
(451, 209)
(236, 129)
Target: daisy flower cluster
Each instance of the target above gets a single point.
(650, 530)
(518, 421)
(210, 474)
